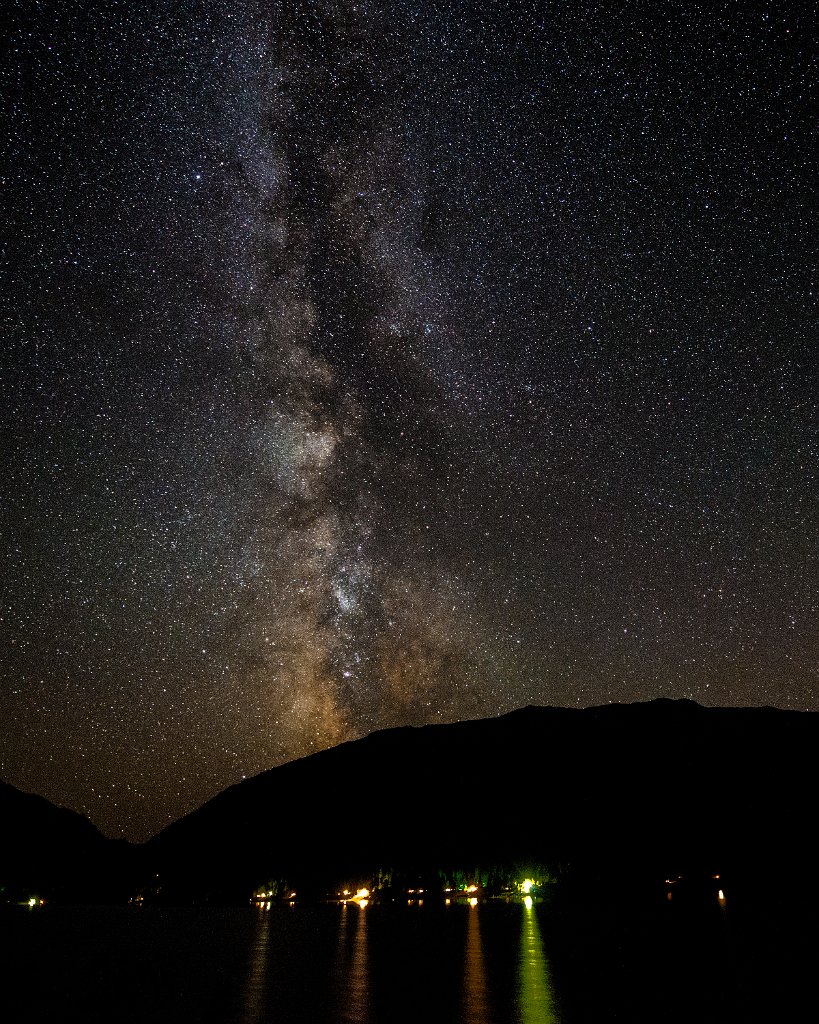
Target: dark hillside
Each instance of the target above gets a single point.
(641, 789)
(55, 853)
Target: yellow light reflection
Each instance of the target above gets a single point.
(255, 987)
(357, 1007)
(475, 1003)
(340, 966)
(473, 901)
(535, 997)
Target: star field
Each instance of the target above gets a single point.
(374, 364)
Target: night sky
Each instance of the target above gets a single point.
(369, 364)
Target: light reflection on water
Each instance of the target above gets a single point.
(255, 987)
(535, 993)
(715, 960)
(350, 968)
(340, 965)
(475, 995)
(358, 979)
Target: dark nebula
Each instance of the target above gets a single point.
(373, 363)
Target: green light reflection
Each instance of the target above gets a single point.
(536, 1001)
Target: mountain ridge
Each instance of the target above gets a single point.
(658, 702)
(654, 787)
(668, 783)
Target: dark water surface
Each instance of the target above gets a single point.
(388, 964)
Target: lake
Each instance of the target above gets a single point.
(494, 962)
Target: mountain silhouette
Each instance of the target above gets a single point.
(54, 852)
(639, 790)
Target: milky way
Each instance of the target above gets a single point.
(380, 364)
